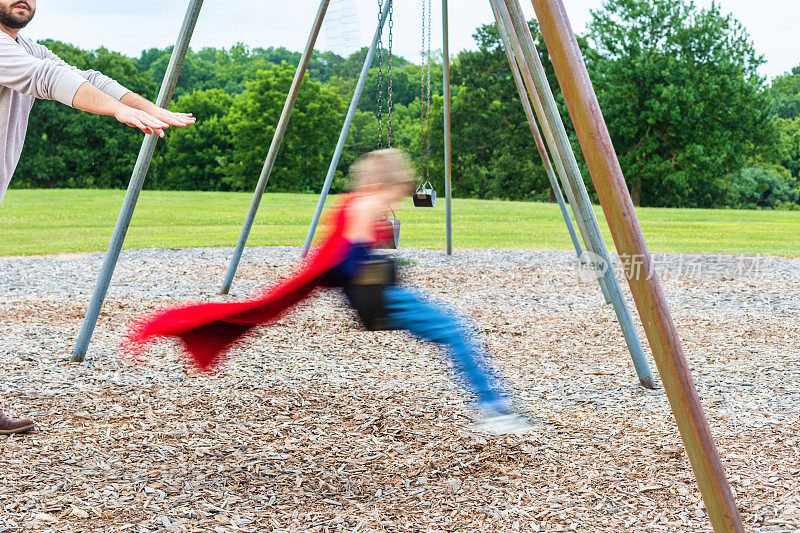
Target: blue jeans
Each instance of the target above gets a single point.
(406, 311)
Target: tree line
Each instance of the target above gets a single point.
(693, 122)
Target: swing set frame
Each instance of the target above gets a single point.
(541, 112)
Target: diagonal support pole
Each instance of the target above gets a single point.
(275, 147)
(135, 185)
(512, 17)
(503, 20)
(615, 199)
(526, 105)
(345, 129)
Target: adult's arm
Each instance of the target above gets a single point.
(117, 91)
(135, 101)
(49, 80)
(97, 79)
(36, 77)
(91, 99)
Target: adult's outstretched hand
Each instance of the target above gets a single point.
(131, 109)
(180, 120)
(141, 120)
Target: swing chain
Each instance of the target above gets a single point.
(422, 102)
(380, 78)
(425, 97)
(428, 128)
(390, 101)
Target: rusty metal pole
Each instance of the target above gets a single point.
(448, 156)
(526, 106)
(518, 30)
(615, 199)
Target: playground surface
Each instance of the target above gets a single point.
(315, 425)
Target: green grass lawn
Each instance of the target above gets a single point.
(59, 221)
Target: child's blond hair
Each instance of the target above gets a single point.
(388, 167)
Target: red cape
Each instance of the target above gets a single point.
(208, 330)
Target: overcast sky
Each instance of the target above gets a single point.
(130, 27)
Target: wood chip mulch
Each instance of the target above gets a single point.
(315, 425)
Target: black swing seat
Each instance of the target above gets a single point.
(365, 292)
(425, 196)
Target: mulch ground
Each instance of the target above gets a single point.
(316, 425)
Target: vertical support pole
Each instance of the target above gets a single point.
(274, 148)
(345, 129)
(448, 156)
(135, 185)
(615, 199)
(526, 106)
(531, 65)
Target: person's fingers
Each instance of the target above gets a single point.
(180, 119)
(160, 123)
(152, 121)
(141, 126)
(173, 121)
(176, 119)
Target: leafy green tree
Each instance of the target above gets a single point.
(786, 92)
(759, 187)
(309, 141)
(494, 154)
(790, 131)
(682, 97)
(195, 158)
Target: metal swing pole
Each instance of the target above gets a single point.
(526, 105)
(274, 148)
(448, 147)
(504, 21)
(135, 184)
(513, 18)
(615, 199)
(345, 129)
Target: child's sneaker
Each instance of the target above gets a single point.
(502, 423)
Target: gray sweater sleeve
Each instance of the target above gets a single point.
(98, 79)
(44, 75)
(34, 76)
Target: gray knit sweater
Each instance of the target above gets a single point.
(29, 71)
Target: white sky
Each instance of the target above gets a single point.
(130, 27)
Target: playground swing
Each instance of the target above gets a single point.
(425, 195)
(388, 237)
(600, 157)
